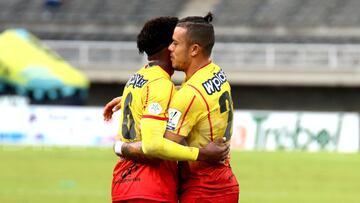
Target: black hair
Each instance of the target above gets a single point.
(156, 34)
(200, 31)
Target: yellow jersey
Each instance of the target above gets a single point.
(202, 109)
(147, 94)
(145, 101)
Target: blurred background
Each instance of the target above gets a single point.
(293, 65)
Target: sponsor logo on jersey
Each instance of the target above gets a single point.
(155, 108)
(136, 80)
(174, 118)
(213, 84)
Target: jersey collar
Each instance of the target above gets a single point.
(203, 67)
(153, 64)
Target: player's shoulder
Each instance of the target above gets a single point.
(185, 93)
(153, 76)
(137, 80)
(208, 80)
(156, 73)
(209, 72)
(160, 86)
(161, 82)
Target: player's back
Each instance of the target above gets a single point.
(215, 104)
(146, 95)
(206, 116)
(137, 100)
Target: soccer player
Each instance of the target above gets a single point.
(201, 111)
(146, 98)
(197, 113)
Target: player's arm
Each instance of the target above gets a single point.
(153, 125)
(111, 107)
(154, 144)
(214, 152)
(170, 149)
(155, 106)
(132, 151)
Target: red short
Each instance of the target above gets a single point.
(231, 198)
(203, 182)
(138, 201)
(156, 182)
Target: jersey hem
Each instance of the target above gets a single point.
(197, 195)
(117, 198)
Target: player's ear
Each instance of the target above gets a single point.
(195, 49)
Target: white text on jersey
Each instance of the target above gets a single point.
(214, 84)
(136, 80)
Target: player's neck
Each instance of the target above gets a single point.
(164, 65)
(162, 59)
(154, 63)
(195, 66)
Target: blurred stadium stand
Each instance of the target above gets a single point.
(84, 19)
(267, 47)
(240, 20)
(288, 20)
(250, 63)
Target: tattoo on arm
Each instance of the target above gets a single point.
(132, 151)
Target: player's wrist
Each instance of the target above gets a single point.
(118, 146)
(201, 155)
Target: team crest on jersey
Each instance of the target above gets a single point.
(155, 108)
(136, 80)
(174, 118)
(213, 84)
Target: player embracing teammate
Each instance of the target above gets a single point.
(199, 115)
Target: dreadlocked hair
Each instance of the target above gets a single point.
(156, 34)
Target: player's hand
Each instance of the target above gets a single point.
(111, 107)
(214, 152)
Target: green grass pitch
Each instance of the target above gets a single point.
(48, 174)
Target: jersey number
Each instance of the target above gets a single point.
(128, 127)
(223, 108)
